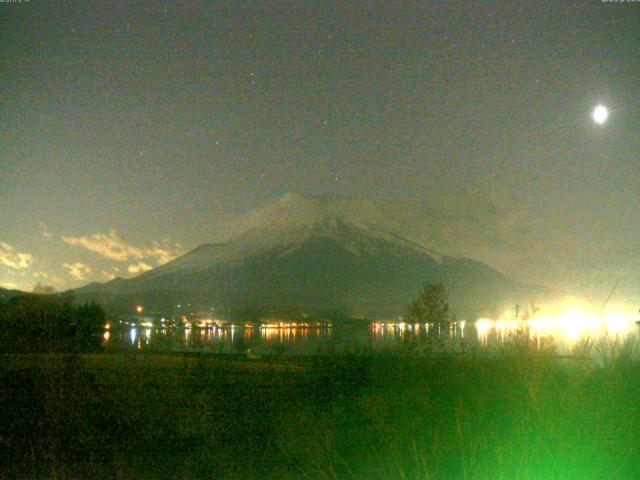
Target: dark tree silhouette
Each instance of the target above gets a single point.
(431, 305)
(49, 323)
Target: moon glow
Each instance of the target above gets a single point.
(600, 114)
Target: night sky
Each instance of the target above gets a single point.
(134, 131)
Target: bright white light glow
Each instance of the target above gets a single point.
(568, 325)
(618, 323)
(483, 326)
(600, 114)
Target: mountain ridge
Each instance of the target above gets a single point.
(314, 254)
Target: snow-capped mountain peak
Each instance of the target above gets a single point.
(317, 253)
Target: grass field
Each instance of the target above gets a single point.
(516, 414)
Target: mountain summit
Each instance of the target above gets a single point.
(308, 254)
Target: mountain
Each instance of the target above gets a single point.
(6, 293)
(316, 255)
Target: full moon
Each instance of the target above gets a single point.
(600, 114)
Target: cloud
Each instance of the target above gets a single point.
(164, 255)
(44, 289)
(296, 209)
(112, 245)
(54, 281)
(110, 275)
(109, 245)
(78, 270)
(12, 259)
(44, 230)
(139, 267)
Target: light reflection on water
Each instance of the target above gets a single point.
(562, 333)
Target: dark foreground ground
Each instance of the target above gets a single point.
(515, 415)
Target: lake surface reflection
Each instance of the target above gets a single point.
(562, 334)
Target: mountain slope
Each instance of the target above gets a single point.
(312, 255)
(7, 293)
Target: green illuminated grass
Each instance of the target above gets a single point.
(515, 414)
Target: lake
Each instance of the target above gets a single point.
(563, 334)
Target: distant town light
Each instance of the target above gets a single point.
(139, 309)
